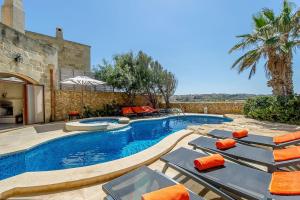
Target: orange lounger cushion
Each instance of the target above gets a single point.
(208, 162)
(138, 110)
(285, 183)
(176, 192)
(286, 154)
(149, 109)
(240, 134)
(225, 144)
(286, 138)
(127, 111)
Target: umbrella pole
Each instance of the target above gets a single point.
(82, 101)
(91, 96)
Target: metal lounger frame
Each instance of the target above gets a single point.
(257, 180)
(253, 139)
(159, 177)
(243, 153)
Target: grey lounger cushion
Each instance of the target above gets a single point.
(133, 185)
(241, 180)
(244, 152)
(252, 139)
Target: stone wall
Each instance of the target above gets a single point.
(70, 54)
(67, 101)
(37, 60)
(212, 107)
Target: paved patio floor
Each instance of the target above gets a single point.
(4, 127)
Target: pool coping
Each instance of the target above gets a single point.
(79, 125)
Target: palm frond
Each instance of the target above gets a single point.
(259, 21)
(252, 71)
(288, 7)
(238, 61)
(272, 41)
(247, 41)
(244, 36)
(285, 48)
(267, 71)
(238, 46)
(248, 60)
(269, 14)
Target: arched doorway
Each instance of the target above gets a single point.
(21, 100)
(22, 77)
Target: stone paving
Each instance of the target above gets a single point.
(95, 192)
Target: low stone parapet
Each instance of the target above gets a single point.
(220, 108)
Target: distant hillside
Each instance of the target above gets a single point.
(211, 97)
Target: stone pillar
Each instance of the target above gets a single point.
(53, 99)
(13, 14)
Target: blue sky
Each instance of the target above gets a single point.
(189, 37)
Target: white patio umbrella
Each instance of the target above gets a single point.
(82, 81)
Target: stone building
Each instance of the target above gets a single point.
(71, 55)
(30, 64)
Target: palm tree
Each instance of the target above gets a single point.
(274, 38)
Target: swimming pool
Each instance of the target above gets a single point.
(100, 120)
(98, 147)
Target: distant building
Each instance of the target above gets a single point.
(30, 64)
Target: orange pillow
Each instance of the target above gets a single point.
(285, 183)
(286, 154)
(240, 134)
(225, 144)
(286, 138)
(176, 192)
(208, 162)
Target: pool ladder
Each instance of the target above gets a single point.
(180, 110)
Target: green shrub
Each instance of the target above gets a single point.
(88, 112)
(272, 108)
(111, 109)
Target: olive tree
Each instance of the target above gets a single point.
(122, 74)
(149, 71)
(167, 86)
(138, 74)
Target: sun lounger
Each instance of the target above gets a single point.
(243, 152)
(133, 185)
(253, 139)
(233, 178)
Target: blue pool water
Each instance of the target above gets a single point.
(97, 147)
(95, 121)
